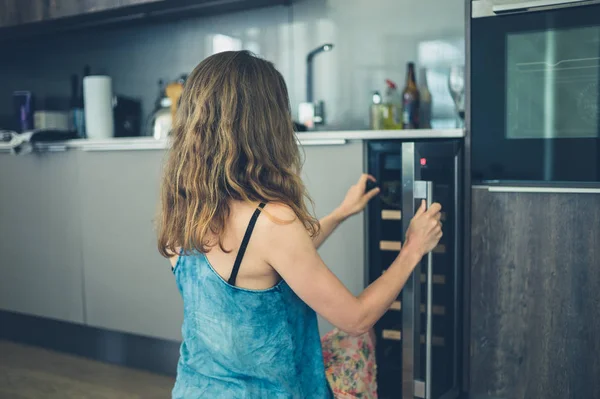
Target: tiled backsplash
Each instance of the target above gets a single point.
(373, 39)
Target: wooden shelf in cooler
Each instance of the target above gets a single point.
(397, 246)
(395, 335)
(388, 214)
(437, 310)
(437, 278)
(391, 214)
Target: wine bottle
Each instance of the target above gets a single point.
(410, 100)
(425, 101)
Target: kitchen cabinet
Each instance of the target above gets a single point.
(40, 236)
(535, 273)
(17, 12)
(79, 243)
(125, 275)
(328, 173)
(129, 287)
(27, 14)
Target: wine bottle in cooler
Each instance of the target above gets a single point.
(410, 100)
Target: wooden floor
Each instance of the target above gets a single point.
(32, 373)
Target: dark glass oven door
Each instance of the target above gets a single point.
(535, 103)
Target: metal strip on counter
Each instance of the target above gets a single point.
(407, 134)
(159, 145)
(309, 142)
(533, 189)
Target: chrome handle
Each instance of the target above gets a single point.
(429, 306)
(313, 142)
(424, 190)
(92, 147)
(526, 5)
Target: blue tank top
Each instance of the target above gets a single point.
(240, 343)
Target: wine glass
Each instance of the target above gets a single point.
(456, 86)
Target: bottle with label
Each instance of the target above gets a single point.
(81, 123)
(376, 114)
(76, 107)
(392, 110)
(425, 99)
(410, 100)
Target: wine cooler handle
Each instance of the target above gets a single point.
(424, 190)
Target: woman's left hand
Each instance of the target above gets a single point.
(357, 198)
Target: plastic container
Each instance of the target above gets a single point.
(392, 109)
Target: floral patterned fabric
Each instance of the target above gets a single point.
(350, 365)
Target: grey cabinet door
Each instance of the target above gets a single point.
(40, 236)
(535, 279)
(328, 173)
(19, 12)
(128, 285)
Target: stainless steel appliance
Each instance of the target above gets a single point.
(419, 345)
(535, 90)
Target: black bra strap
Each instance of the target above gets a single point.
(244, 245)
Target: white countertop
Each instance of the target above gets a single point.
(304, 138)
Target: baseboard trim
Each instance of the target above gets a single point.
(124, 349)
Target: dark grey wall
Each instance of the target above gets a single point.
(373, 41)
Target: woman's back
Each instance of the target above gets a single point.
(250, 328)
(240, 342)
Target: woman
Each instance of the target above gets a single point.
(235, 225)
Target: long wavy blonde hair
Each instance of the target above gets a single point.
(232, 139)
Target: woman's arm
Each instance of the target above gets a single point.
(355, 201)
(328, 225)
(292, 254)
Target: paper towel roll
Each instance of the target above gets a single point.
(98, 107)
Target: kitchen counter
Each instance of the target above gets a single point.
(304, 138)
(88, 211)
(88, 207)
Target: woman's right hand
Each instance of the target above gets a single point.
(425, 229)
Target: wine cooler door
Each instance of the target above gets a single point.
(430, 306)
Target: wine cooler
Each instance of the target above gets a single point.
(418, 338)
